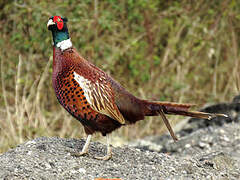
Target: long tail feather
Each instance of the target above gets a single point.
(162, 108)
(165, 120)
(183, 109)
(196, 114)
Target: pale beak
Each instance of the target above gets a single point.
(50, 22)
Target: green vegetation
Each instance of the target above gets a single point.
(183, 51)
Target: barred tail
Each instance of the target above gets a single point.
(162, 108)
(181, 109)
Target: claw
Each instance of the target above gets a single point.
(105, 158)
(78, 154)
(84, 150)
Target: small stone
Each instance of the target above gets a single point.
(187, 145)
(203, 145)
(82, 170)
(30, 142)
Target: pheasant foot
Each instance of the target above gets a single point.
(109, 151)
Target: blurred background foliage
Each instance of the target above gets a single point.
(183, 51)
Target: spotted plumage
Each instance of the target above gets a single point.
(85, 94)
(94, 98)
(71, 96)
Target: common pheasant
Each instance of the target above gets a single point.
(96, 99)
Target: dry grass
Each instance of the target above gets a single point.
(27, 117)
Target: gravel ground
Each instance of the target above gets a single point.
(204, 151)
(46, 158)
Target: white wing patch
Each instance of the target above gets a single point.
(99, 97)
(84, 84)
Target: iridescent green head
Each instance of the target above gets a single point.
(58, 26)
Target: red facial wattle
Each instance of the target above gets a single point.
(59, 21)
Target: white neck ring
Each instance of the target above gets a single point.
(65, 44)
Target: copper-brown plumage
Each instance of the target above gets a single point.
(97, 100)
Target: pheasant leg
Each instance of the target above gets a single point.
(84, 149)
(109, 151)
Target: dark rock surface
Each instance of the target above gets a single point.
(207, 151)
(231, 109)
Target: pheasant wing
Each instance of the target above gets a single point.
(100, 97)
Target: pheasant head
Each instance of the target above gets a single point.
(58, 26)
